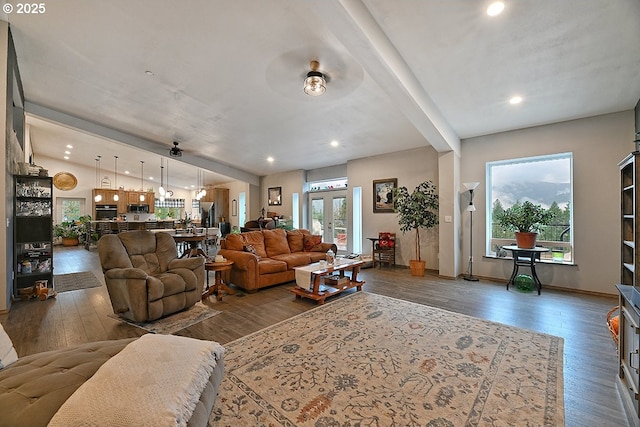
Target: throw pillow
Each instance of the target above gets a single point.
(251, 249)
(8, 354)
(312, 243)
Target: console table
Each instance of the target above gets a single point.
(525, 257)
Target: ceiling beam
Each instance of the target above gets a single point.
(137, 142)
(352, 23)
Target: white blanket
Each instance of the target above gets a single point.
(154, 381)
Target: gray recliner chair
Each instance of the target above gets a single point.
(145, 278)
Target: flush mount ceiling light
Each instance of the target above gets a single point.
(315, 84)
(495, 8)
(175, 151)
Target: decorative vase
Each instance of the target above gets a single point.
(526, 240)
(70, 241)
(417, 267)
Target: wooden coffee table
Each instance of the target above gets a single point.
(218, 286)
(317, 287)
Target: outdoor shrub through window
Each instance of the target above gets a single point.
(542, 180)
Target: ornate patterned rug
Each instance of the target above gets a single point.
(372, 360)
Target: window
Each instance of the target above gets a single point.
(543, 180)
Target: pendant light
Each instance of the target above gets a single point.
(115, 178)
(142, 180)
(98, 197)
(161, 190)
(168, 193)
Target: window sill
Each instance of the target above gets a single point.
(542, 261)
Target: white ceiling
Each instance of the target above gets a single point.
(227, 76)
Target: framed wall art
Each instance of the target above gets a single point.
(275, 196)
(383, 194)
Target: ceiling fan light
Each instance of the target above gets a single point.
(315, 83)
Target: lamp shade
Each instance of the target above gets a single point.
(315, 84)
(471, 185)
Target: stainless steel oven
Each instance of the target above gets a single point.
(106, 212)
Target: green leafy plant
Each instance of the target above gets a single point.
(74, 229)
(525, 217)
(416, 210)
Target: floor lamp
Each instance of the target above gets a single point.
(471, 207)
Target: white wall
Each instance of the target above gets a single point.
(598, 144)
(410, 167)
(291, 182)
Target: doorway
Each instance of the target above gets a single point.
(329, 217)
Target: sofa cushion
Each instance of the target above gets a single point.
(295, 239)
(312, 243)
(268, 266)
(8, 353)
(275, 242)
(237, 242)
(252, 250)
(296, 259)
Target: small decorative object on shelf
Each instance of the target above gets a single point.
(330, 257)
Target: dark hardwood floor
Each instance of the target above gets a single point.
(590, 365)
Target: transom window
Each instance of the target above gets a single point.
(542, 180)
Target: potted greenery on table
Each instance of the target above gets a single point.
(526, 219)
(416, 210)
(73, 232)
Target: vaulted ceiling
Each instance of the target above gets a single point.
(224, 78)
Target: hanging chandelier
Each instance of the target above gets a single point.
(161, 190)
(116, 197)
(98, 197)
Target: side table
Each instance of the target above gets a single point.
(218, 286)
(525, 258)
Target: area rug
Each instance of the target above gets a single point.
(75, 281)
(372, 360)
(175, 322)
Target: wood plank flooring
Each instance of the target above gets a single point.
(590, 364)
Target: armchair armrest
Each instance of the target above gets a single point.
(125, 273)
(327, 246)
(190, 263)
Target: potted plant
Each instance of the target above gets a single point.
(416, 210)
(526, 220)
(73, 232)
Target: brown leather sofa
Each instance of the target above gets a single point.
(267, 257)
(145, 278)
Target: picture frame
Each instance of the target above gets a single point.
(383, 194)
(275, 196)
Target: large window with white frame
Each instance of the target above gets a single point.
(543, 180)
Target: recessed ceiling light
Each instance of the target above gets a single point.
(150, 178)
(334, 143)
(69, 146)
(495, 8)
(515, 100)
(126, 172)
(270, 159)
(67, 152)
(66, 157)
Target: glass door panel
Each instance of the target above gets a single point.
(329, 217)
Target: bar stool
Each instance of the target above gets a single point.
(122, 226)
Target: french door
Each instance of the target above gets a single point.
(329, 217)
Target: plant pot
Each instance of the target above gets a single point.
(526, 240)
(69, 241)
(417, 267)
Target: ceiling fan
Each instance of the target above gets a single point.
(175, 151)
